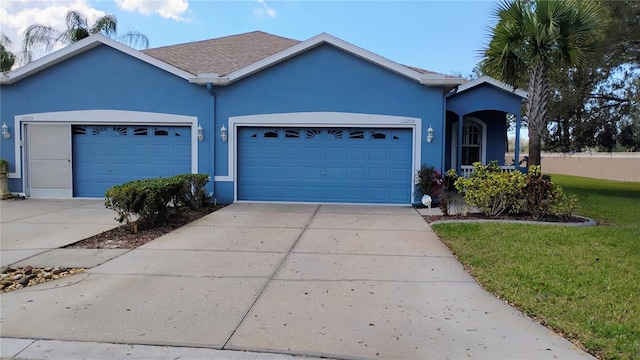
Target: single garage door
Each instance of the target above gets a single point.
(104, 156)
(344, 165)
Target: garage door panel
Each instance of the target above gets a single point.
(357, 174)
(378, 174)
(272, 172)
(109, 155)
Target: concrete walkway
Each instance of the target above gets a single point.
(347, 282)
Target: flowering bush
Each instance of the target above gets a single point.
(429, 181)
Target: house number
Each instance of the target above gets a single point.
(407, 121)
(27, 118)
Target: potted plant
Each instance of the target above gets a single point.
(429, 181)
(4, 174)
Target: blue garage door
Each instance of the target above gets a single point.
(348, 165)
(104, 156)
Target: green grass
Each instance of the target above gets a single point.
(583, 282)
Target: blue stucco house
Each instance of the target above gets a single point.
(269, 118)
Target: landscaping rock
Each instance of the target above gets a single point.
(4, 269)
(17, 278)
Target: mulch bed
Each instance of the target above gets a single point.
(122, 238)
(523, 216)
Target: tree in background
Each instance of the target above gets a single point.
(7, 58)
(592, 104)
(532, 37)
(42, 36)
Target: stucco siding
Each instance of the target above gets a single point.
(105, 79)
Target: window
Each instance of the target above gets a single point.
(356, 134)
(120, 130)
(292, 134)
(471, 143)
(99, 130)
(313, 133)
(79, 130)
(141, 131)
(378, 135)
(271, 134)
(337, 134)
(160, 132)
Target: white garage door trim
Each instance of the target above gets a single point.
(103, 117)
(318, 119)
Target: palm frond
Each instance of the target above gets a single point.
(41, 36)
(107, 25)
(76, 20)
(134, 39)
(5, 41)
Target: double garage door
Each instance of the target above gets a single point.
(348, 165)
(107, 155)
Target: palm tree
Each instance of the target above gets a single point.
(78, 29)
(532, 36)
(7, 58)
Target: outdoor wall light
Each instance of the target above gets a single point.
(429, 134)
(200, 133)
(223, 133)
(5, 131)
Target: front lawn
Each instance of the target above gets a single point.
(583, 282)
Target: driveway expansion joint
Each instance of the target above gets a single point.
(273, 275)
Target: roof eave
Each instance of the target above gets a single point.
(431, 80)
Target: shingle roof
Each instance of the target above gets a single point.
(423, 71)
(222, 55)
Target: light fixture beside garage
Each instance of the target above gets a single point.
(429, 134)
(223, 133)
(5, 131)
(200, 133)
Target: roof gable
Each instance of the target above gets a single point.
(492, 82)
(422, 76)
(83, 46)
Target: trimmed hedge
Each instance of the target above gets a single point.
(149, 201)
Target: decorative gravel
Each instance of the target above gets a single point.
(12, 278)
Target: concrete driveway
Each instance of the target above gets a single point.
(31, 227)
(348, 282)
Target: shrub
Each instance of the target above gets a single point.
(429, 181)
(538, 193)
(148, 201)
(492, 191)
(562, 205)
(445, 196)
(193, 193)
(543, 198)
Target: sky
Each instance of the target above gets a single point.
(442, 36)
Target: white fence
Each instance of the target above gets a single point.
(608, 166)
(467, 170)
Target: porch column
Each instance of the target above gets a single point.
(459, 150)
(516, 162)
